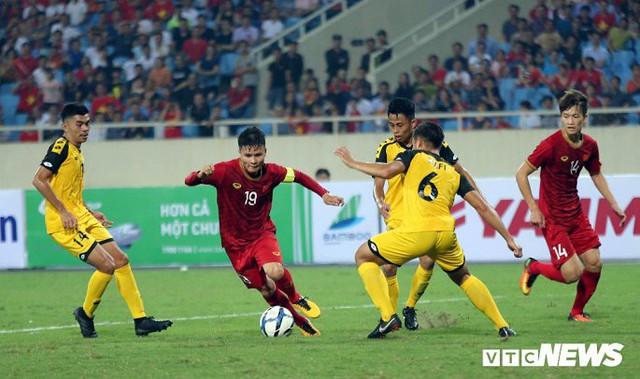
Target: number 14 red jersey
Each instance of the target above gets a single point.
(560, 162)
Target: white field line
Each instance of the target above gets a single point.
(213, 317)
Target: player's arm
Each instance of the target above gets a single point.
(490, 216)
(603, 187)
(378, 196)
(380, 170)
(522, 178)
(312, 185)
(41, 181)
(463, 171)
(102, 219)
(199, 177)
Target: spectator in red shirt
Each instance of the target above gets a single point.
(529, 75)
(238, 98)
(161, 10)
(604, 20)
(195, 46)
(565, 79)
(437, 73)
(30, 96)
(633, 85)
(25, 64)
(589, 74)
(102, 99)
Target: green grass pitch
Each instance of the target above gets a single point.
(216, 334)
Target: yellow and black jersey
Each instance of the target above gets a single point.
(429, 189)
(388, 150)
(66, 162)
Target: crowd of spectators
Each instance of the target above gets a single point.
(189, 62)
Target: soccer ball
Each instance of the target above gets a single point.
(276, 322)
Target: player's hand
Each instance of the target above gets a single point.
(343, 153)
(206, 171)
(102, 219)
(384, 209)
(621, 214)
(332, 200)
(69, 221)
(513, 246)
(537, 218)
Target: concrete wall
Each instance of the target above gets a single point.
(166, 163)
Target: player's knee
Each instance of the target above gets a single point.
(122, 260)
(594, 266)
(275, 272)
(389, 270)
(572, 276)
(427, 263)
(107, 267)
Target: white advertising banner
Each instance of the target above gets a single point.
(12, 230)
(337, 232)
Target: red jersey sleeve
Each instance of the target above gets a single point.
(214, 179)
(288, 175)
(540, 155)
(593, 164)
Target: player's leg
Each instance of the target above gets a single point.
(450, 258)
(419, 283)
(128, 289)
(80, 243)
(274, 296)
(391, 275)
(564, 266)
(268, 255)
(587, 284)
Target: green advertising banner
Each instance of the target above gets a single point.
(166, 226)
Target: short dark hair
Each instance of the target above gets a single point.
(73, 109)
(429, 132)
(323, 171)
(572, 98)
(251, 136)
(401, 105)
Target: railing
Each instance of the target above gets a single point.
(451, 122)
(300, 29)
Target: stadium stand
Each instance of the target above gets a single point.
(123, 47)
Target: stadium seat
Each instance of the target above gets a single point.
(7, 88)
(505, 88)
(633, 119)
(9, 105)
(623, 58)
(449, 125)
(522, 94)
(228, 64)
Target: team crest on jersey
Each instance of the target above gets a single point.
(585, 157)
(237, 185)
(276, 253)
(564, 158)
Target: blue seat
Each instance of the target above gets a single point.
(7, 88)
(9, 106)
(522, 94)
(449, 124)
(623, 58)
(541, 92)
(505, 88)
(228, 64)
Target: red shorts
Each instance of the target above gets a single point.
(249, 261)
(564, 241)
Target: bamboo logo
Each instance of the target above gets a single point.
(348, 216)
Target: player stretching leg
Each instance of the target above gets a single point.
(430, 186)
(244, 196)
(572, 242)
(401, 117)
(82, 232)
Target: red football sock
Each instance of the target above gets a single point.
(586, 287)
(285, 284)
(546, 269)
(281, 299)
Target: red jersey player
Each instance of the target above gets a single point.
(244, 194)
(572, 242)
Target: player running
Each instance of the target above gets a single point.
(244, 195)
(401, 116)
(430, 186)
(82, 232)
(573, 244)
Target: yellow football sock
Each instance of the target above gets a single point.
(480, 296)
(95, 289)
(129, 291)
(377, 289)
(394, 291)
(419, 284)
